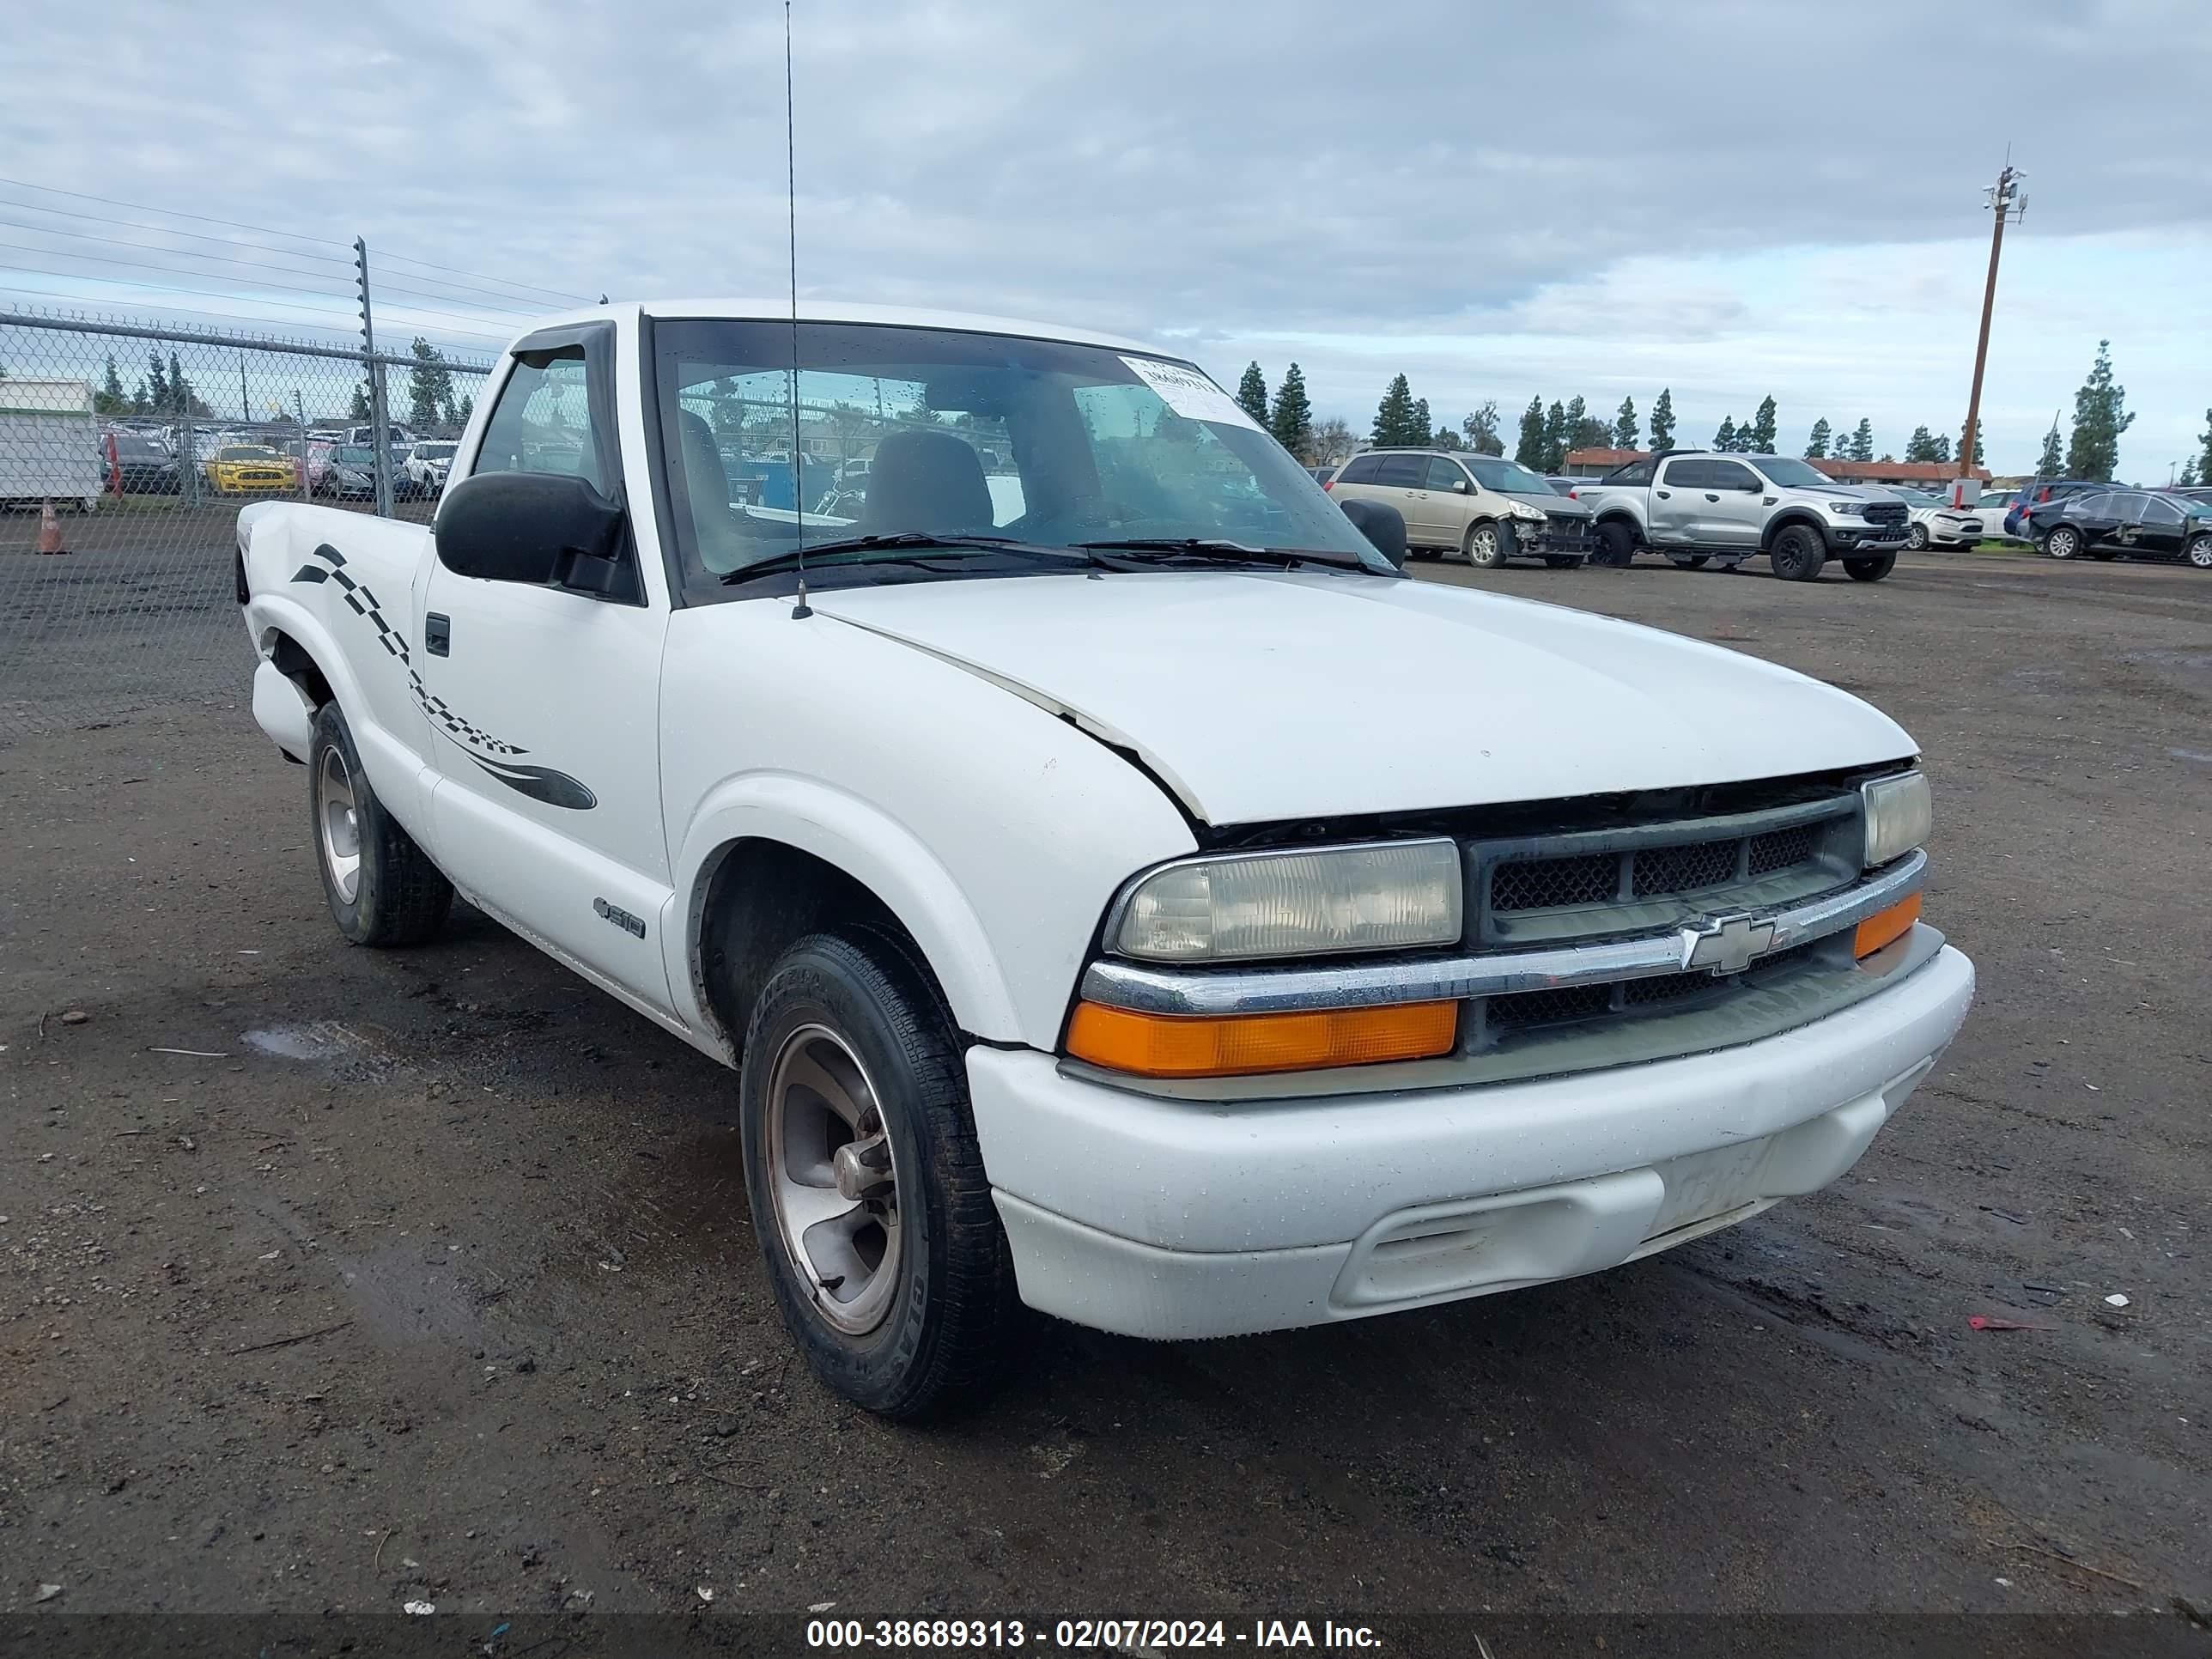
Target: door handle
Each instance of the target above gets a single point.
(1664, 495)
(438, 634)
(1711, 496)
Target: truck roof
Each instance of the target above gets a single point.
(825, 311)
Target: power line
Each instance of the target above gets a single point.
(140, 207)
(141, 264)
(211, 294)
(148, 247)
(553, 293)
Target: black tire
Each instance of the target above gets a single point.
(947, 1332)
(2063, 543)
(2199, 552)
(398, 897)
(1797, 553)
(1689, 560)
(1917, 538)
(1563, 560)
(1617, 544)
(1488, 544)
(1870, 570)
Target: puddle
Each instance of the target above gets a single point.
(324, 1039)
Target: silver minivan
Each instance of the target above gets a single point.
(1483, 507)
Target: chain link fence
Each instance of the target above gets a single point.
(131, 447)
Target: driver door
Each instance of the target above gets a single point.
(544, 700)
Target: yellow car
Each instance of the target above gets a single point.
(250, 469)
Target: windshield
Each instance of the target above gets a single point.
(1031, 442)
(245, 453)
(434, 452)
(1793, 475)
(1508, 478)
(357, 455)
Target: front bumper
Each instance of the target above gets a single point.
(1559, 535)
(1857, 534)
(1174, 1218)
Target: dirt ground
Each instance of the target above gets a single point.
(330, 1279)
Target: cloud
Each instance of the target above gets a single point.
(1600, 184)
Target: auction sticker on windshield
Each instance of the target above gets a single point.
(1189, 394)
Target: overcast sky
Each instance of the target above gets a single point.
(1501, 201)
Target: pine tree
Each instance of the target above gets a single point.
(1291, 419)
(1555, 437)
(1481, 429)
(2100, 415)
(1724, 439)
(1862, 440)
(2052, 457)
(1939, 447)
(2188, 478)
(140, 402)
(468, 408)
(1418, 424)
(1529, 451)
(429, 384)
(1252, 394)
(1624, 425)
(1662, 420)
(109, 399)
(1570, 429)
(1394, 416)
(358, 410)
(1816, 442)
(1766, 426)
(1920, 446)
(2204, 459)
(157, 377)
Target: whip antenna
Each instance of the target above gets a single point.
(791, 204)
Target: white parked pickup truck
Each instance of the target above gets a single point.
(1101, 904)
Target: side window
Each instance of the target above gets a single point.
(1402, 472)
(2129, 509)
(2162, 511)
(1360, 469)
(1688, 475)
(1636, 472)
(542, 423)
(1729, 475)
(1443, 474)
(2095, 504)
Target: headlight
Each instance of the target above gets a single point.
(1523, 510)
(1900, 813)
(1384, 897)
(1847, 509)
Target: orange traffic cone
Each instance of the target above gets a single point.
(50, 531)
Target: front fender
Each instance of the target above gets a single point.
(868, 845)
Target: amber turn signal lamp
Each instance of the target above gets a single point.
(1885, 926)
(1180, 1045)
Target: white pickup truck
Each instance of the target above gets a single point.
(1103, 905)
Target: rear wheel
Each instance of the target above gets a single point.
(1485, 545)
(2063, 543)
(1797, 553)
(869, 1200)
(2199, 552)
(1689, 560)
(1616, 543)
(382, 888)
(1917, 538)
(1870, 570)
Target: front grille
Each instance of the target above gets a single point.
(1663, 870)
(1778, 850)
(1506, 1016)
(1884, 512)
(1547, 883)
(1568, 533)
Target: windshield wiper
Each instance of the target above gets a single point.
(1221, 549)
(899, 540)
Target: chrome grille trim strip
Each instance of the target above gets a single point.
(1150, 990)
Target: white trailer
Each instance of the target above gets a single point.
(50, 448)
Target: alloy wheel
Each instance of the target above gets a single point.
(833, 1176)
(336, 817)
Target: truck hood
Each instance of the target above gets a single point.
(1257, 697)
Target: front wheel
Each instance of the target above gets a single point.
(1917, 538)
(1617, 544)
(1870, 570)
(874, 1216)
(1797, 553)
(382, 888)
(1486, 546)
(2199, 552)
(2063, 543)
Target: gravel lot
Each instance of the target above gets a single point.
(331, 1279)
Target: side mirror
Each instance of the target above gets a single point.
(530, 527)
(1382, 524)
(1459, 485)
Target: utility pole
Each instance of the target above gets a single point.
(245, 403)
(2007, 201)
(380, 449)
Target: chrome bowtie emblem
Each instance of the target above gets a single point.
(1726, 944)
